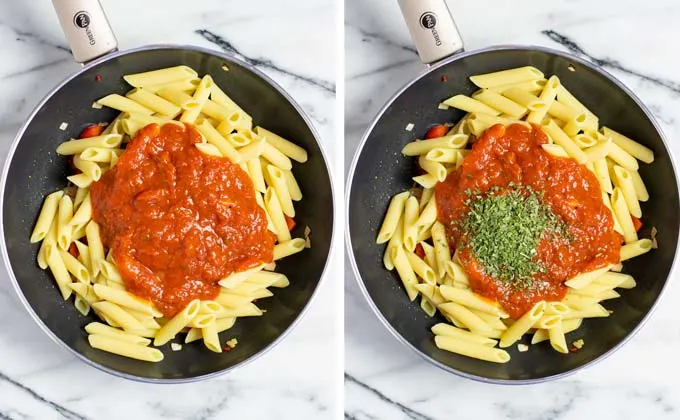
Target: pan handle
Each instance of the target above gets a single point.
(432, 29)
(86, 27)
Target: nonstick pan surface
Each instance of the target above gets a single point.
(379, 171)
(33, 169)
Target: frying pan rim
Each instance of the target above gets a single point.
(102, 60)
(348, 190)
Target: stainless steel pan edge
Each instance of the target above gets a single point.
(350, 177)
(3, 181)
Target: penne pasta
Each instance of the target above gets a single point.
(622, 214)
(602, 174)
(567, 327)
(60, 273)
(522, 325)
(623, 158)
(524, 98)
(64, 215)
(624, 181)
(421, 269)
(435, 169)
(506, 77)
(532, 86)
(396, 241)
(405, 271)
(47, 216)
(293, 187)
(126, 299)
(119, 316)
(557, 339)
(210, 337)
(466, 317)
(284, 146)
(547, 96)
(154, 102)
(124, 348)
(162, 76)
(470, 349)
(471, 300)
(213, 137)
(441, 248)
(584, 279)
(275, 157)
(562, 139)
(500, 103)
(632, 147)
(470, 105)
(635, 249)
(185, 85)
(123, 104)
(104, 330)
(74, 267)
(288, 248)
(73, 147)
(409, 223)
(200, 97)
(276, 179)
(255, 171)
(638, 184)
(177, 323)
(419, 147)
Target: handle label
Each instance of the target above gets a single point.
(82, 20)
(428, 21)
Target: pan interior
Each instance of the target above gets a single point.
(36, 170)
(381, 171)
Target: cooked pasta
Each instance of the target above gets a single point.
(464, 263)
(74, 239)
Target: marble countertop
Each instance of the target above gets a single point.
(40, 380)
(635, 42)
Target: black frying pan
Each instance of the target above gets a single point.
(33, 169)
(379, 171)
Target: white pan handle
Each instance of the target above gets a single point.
(432, 28)
(86, 27)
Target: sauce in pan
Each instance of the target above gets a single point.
(178, 220)
(525, 221)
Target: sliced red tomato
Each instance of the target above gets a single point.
(419, 251)
(290, 222)
(437, 131)
(637, 223)
(91, 131)
(73, 250)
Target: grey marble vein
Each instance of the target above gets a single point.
(261, 62)
(607, 62)
(38, 67)
(381, 69)
(374, 36)
(65, 412)
(23, 36)
(409, 412)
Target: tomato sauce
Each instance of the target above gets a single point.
(514, 154)
(178, 220)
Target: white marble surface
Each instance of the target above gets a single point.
(300, 378)
(385, 380)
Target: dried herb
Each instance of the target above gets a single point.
(503, 229)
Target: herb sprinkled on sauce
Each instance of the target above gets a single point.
(503, 230)
(523, 221)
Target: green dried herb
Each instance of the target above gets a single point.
(503, 229)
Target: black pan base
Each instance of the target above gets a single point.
(35, 170)
(381, 171)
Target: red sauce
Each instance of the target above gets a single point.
(178, 220)
(514, 154)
